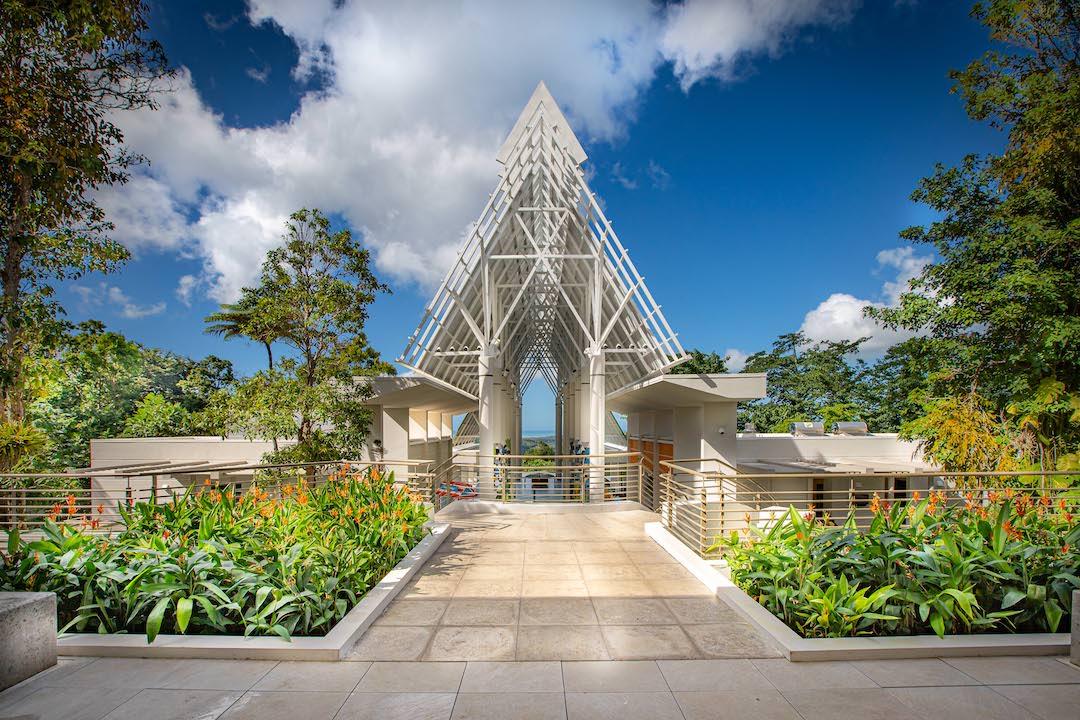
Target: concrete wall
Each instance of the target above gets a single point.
(781, 446)
(212, 450)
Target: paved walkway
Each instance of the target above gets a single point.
(559, 601)
(557, 586)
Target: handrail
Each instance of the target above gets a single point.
(878, 474)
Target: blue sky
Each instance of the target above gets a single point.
(756, 164)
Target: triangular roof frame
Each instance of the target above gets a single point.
(542, 281)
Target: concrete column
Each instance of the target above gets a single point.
(718, 435)
(688, 423)
(558, 426)
(515, 437)
(584, 411)
(598, 417)
(486, 420)
(395, 432)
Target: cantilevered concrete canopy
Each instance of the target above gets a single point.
(542, 288)
(417, 393)
(671, 391)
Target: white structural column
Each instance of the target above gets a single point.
(584, 411)
(597, 416)
(486, 420)
(559, 445)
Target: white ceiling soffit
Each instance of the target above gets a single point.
(542, 281)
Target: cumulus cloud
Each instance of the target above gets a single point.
(840, 316)
(104, 294)
(400, 137)
(185, 288)
(710, 38)
(736, 359)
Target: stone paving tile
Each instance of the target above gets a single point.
(847, 704)
(515, 677)
(549, 642)
(481, 612)
(1050, 702)
(619, 588)
(392, 643)
(308, 676)
(429, 587)
(488, 589)
(680, 588)
(504, 705)
(216, 674)
(622, 706)
(555, 557)
(702, 611)
(664, 571)
(959, 703)
(120, 672)
(425, 677)
(569, 571)
(632, 611)
(718, 676)
(493, 572)
(413, 612)
(731, 640)
(472, 643)
(397, 706)
(1017, 670)
(648, 642)
(627, 676)
(175, 705)
(786, 675)
(68, 703)
(557, 611)
(764, 704)
(611, 572)
(260, 705)
(555, 589)
(912, 673)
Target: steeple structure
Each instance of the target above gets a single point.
(542, 287)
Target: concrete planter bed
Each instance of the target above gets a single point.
(797, 648)
(331, 646)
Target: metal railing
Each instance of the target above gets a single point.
(567, 479)
(699, 506)
(93, 497)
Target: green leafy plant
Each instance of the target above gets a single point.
(1000, 561)
(287, 560)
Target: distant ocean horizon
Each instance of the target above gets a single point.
(537, 433)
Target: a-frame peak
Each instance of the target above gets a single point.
(543, 102)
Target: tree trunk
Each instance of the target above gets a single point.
(270, 364)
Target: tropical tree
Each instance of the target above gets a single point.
(313, 296)
(1003, 300)
(701, 363)
(244, 319)
(65, 69)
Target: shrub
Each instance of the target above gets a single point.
(1008, 562)
(215, 562)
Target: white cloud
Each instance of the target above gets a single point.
(105, 294)
(401, 139)
(185, 288)
(840, 316)
(709, 38)
(736, 359)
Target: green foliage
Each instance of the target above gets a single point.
(701, 363)
(212, 562)
(93, 383)
(540, 455)
(155, 416)
(920, 567)
(959, 435)
(67, 70)
(1002, 303)
(313, 296)
(19, 443)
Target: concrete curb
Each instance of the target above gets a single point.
(797, 648)
(332, 646)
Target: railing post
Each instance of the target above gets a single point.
(704, 519)
(153, 489)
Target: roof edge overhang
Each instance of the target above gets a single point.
(671, 391)
(416, 393)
